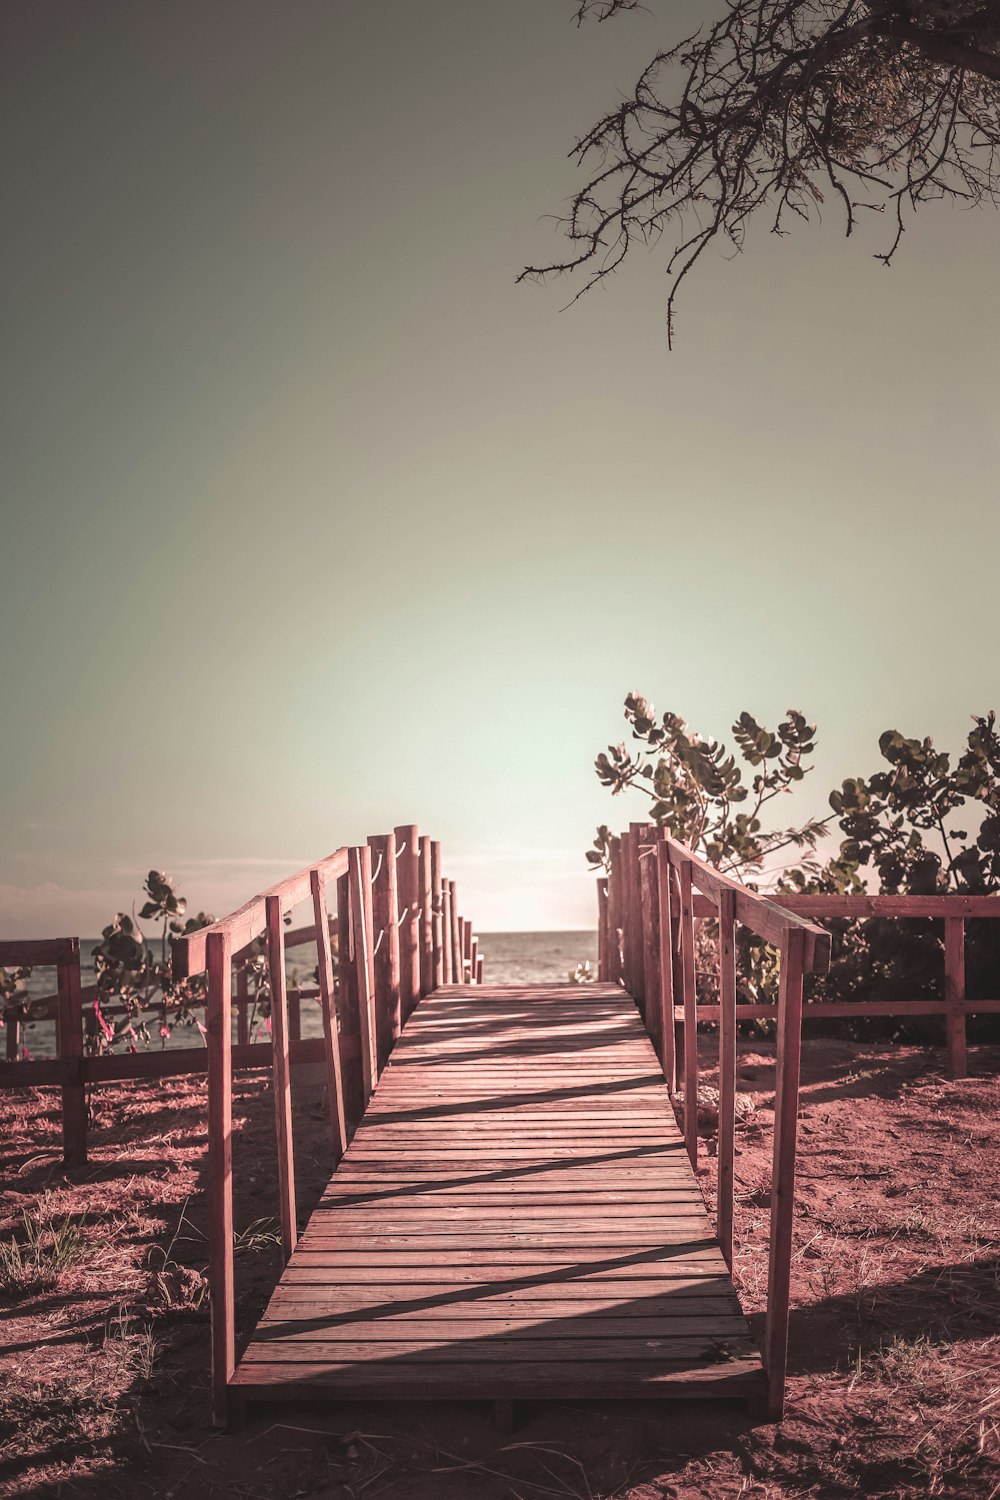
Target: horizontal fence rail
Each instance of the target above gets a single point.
(649, 905)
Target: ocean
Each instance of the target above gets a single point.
(508, 958)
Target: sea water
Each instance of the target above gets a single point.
(508, 958)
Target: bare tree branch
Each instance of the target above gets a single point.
(886, 103)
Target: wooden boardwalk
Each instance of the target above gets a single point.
(515, 1217)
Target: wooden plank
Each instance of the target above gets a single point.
(517, 1200)
(281, 1074)
(69, 1048)
(331, 1033)
(37, 953)
(220, 1174)
(890, 906)
(385, 943)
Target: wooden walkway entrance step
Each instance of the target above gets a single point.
(515, 1217)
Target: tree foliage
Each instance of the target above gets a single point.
(899, 830)
(776, 105)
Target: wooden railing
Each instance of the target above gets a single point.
(648, 907)
(400, 935)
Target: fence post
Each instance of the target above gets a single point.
(331, 1034)
(69, 1045)
(439, 927)
(727, 1072)
(651, 946)
(786, 1110)
(281, 1073)
(667, 1021)
(602, 930)
(347, 998)
(220, 1172)
(467, 953)
(426, 919)
(385, 943)
(456, 934)
(615, 913)
(954, 991)
(408, 881)
(447, 931)
(474, 961)
(690, 997)
(359, 874)
(479, 969)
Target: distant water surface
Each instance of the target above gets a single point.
(508, 958)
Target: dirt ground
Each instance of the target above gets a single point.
(895, 1335)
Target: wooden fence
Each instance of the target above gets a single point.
(407, 886)
(649, 905)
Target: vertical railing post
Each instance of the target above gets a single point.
(786, 1109)
(690, 998)
(385, 941)
(633, 915)
(281, 1073)
(69, 1047)
(466, 975)
(426, 923)
(479, 969)
(954, 990)
(331, 1034)
(447, 934)
(439, 925)
(220, 1172)
(727, 1072)
(651, 946)
(456, 933)
(668, 1025)
(347, 996)
(602, 930)
(408, 881)
(474, 962)
(615, 913)
(359, 874)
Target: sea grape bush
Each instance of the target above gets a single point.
(899, 828)
(133, 981)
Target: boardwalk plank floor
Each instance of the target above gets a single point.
(516, 1217)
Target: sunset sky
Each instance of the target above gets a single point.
(315, 523)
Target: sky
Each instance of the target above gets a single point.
(315, 523)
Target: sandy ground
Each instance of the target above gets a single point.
(895, 1340)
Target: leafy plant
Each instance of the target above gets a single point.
(134, 981)
(898, 829)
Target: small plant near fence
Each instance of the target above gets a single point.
(136, 987)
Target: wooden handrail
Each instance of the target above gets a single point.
(245, 924)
